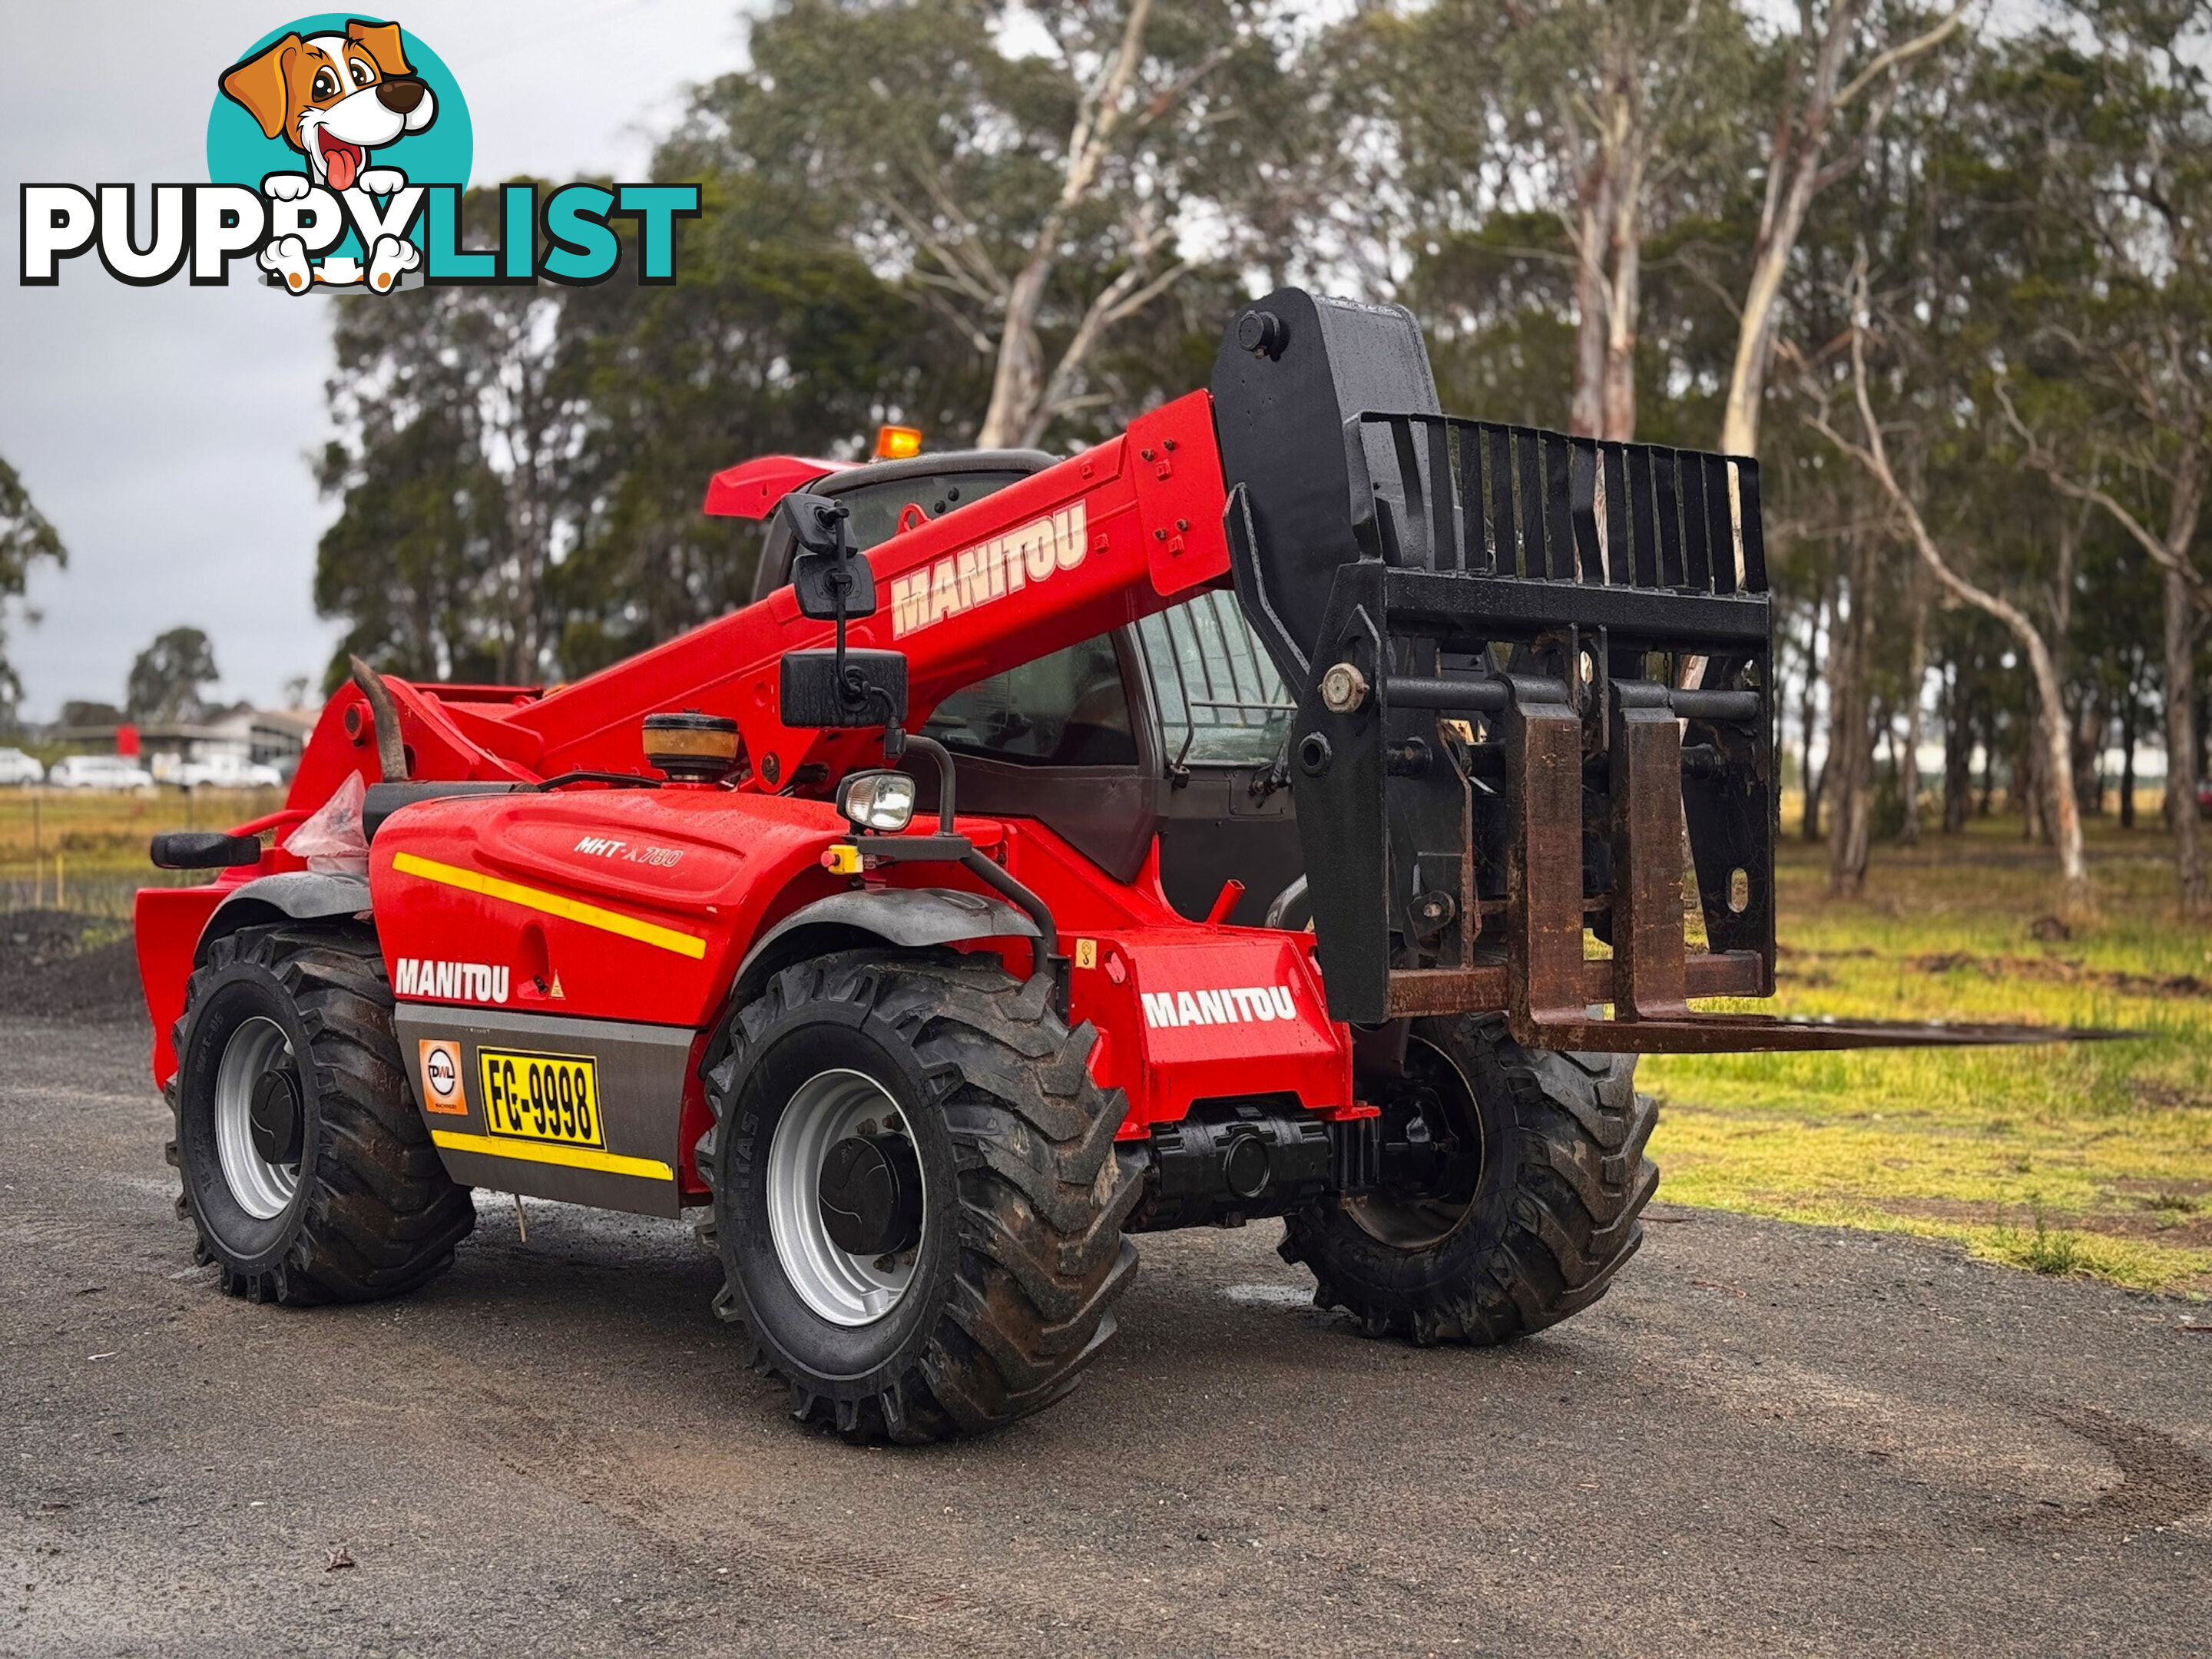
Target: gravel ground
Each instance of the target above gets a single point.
(1768, 1438)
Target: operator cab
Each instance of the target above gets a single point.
(1173, 726)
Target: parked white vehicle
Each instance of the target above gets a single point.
(98, 772)
(16, 767)
(226, 772)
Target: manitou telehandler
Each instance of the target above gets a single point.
(1255, 815)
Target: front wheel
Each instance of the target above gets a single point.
(308, 1172)
(1513, 1184)
(916, 1200)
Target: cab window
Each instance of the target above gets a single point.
(1064, 709)
(1221, 702)
(878, 508)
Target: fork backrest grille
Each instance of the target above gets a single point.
(1477, 498)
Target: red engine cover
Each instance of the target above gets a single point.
(631, 905)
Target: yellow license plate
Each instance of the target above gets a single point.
(542, 1097)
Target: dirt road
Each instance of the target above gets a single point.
(1767, 1437)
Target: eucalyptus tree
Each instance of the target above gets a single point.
(26, 540)
(1566, 134)
(1039, 176)
(1842, 69)
(2112, 400)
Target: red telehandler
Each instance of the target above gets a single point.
(1255, 815)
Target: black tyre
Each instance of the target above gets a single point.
(307, 1171)
(1513, 1188)
(917, 1201)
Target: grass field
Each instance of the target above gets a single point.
(2093, 1157)
(90, 845)
(2089, 1158)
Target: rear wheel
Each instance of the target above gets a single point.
(1513, 1182)
(308, 1172)
(916, 1200)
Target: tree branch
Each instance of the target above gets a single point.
(1903, 53)
(2040, 457)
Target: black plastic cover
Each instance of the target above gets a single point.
(385, 799)
(870, 690)
(204, 849)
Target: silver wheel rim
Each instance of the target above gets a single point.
(843, 1288)
(262, 1189)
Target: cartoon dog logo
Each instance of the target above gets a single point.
(335, 98)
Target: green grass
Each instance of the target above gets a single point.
(2091, 1158)
(92, 843)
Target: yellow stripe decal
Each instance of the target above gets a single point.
(568, 909)
(573, 1157)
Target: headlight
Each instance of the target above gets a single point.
(877, 800)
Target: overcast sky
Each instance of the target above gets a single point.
(166, 431)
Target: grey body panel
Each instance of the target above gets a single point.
(298, 894)
(640, 1071)
(915, 917)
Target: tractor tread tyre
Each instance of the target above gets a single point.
(1557, 1210)
(1035, 1259)
(377, 1215)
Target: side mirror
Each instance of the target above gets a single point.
(829, 578)
(839, 687)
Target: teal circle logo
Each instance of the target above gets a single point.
(345, 115)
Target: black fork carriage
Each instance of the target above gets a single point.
(1534, 681)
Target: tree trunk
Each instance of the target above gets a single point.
(2027, 791)
(1609, 237)
(1958, 755)
(1586, 413)
(1850, 739)
(2181, 770)
(1620, 334)
(2065, 811)
(2127, 759)
(1797, 171)
(1874, 454)
(1807, 712)
(1916, 681)
(1020, 408)
(1018, 380)
(1754, 345)
(2088, 744)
